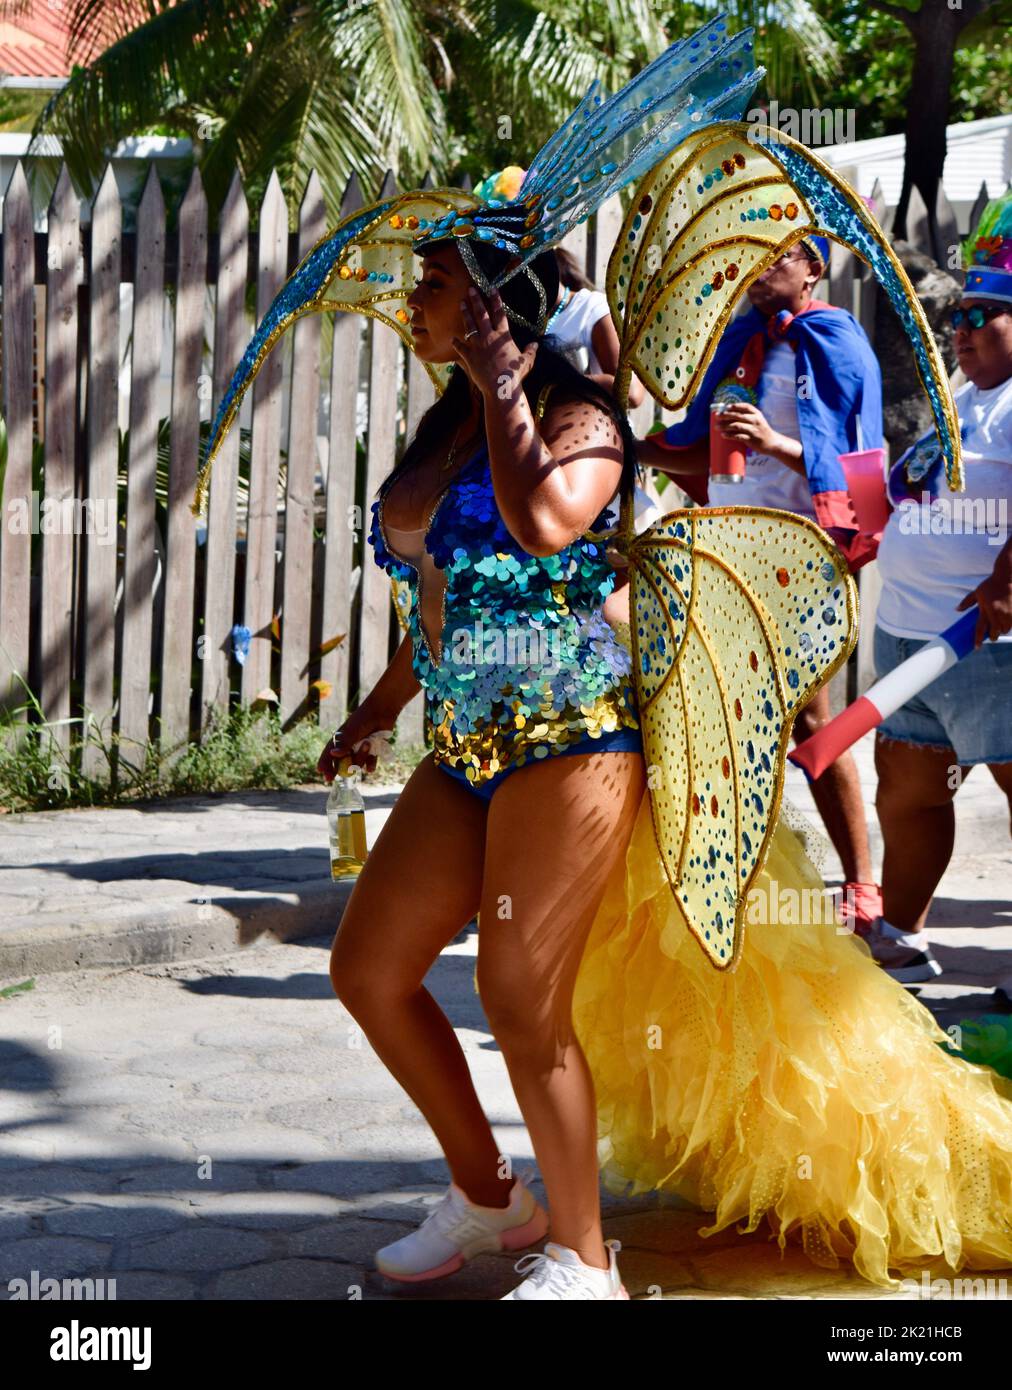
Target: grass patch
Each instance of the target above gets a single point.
(247, 749)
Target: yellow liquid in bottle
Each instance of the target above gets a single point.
(348, 846)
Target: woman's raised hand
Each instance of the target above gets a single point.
(487, 352)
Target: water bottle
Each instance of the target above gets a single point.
(346, 818)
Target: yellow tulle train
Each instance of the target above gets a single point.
(805, 1087)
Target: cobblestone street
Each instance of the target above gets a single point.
(216, 1128)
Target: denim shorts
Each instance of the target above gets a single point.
(969, 708)
(615, 741)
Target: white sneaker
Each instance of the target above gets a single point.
(560, 1273)
(458, 1229)
(898, 955)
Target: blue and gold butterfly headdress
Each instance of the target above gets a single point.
(366, 264)
(603, 146)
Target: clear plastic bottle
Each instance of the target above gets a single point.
(346, 817)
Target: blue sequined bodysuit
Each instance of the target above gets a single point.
(526, 666)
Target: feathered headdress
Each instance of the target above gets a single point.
(987, 253)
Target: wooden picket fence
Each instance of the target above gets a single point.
(137, 636)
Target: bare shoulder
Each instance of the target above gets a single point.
(574, 419)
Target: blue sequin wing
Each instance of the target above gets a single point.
(364, 265)
(739, 615)
(606, 144)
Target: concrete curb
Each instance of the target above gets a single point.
(131, 934)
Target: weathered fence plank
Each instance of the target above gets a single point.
(377, 610)
(231, 334)
(262, 515)
(139, 561)
(16, 494)
(298, 556)
(340, 528)
(188, 389)
(58, 569)
(101, 488)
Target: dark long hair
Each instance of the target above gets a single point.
(571, 274)
(438, 424)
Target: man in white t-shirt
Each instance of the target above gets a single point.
(941, 552)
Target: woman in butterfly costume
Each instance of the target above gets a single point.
(663, 1018)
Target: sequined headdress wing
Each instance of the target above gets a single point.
(710, 217)
(608, 143)
(366, 264)
(739, 614)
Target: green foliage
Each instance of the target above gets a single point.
(375, 84)
(245, 749)
(877, 55)
(20, 109)
(17, 989)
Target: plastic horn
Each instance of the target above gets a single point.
(885, 696)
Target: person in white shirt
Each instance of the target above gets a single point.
(582, 325)
(941, 552)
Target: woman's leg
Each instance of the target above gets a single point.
(420, 885)
(554, 833)
(914, 803)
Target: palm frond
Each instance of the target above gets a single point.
(385, 44)
(143, 77)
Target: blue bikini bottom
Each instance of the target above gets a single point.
(617, 741)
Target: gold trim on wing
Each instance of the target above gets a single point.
(650, 301)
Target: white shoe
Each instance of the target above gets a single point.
(560, 1273)
(458, 1229)
(897, 954)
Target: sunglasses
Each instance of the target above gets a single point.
(977, 315)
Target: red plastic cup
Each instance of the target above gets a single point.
(865, 472)
(727, 457)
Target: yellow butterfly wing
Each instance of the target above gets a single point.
(739, 615)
